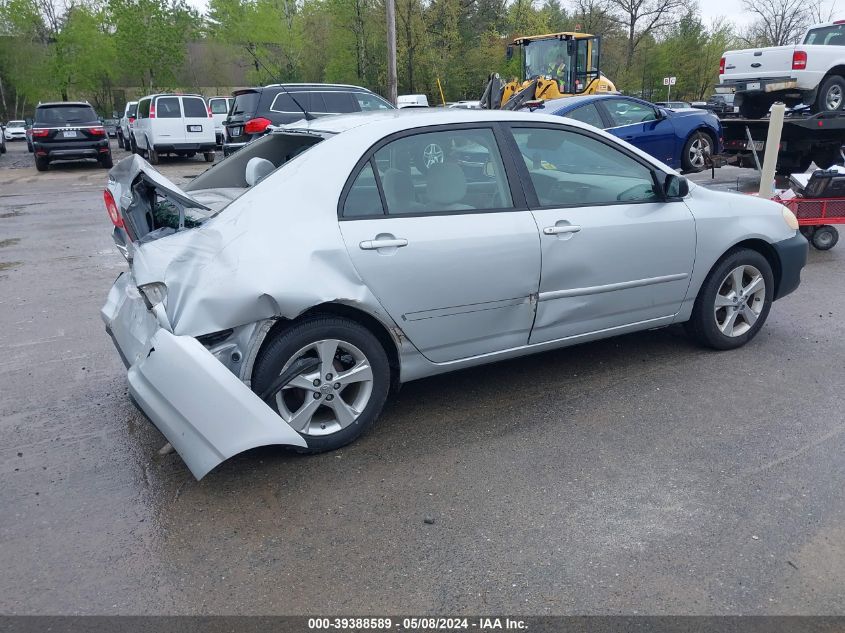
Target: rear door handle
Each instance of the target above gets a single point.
(563, 228)
(371, 245)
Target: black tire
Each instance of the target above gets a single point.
(705, 143)
(825, 237)
(831, 97)
(191, 154)
(826, 158)
(120, 141)
(152, 155)
(106, 161)
(133, 146)
(278, 351)
(2, 147)
(702, 325)
(41, 163)
(752, 108)
(209, 157)
(29, 147)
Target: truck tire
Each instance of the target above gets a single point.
(754, 108)
(826, 158)
(831, 95)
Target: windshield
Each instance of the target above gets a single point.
(551, 58)
(16, 123)
(833, 35)
(61, 114)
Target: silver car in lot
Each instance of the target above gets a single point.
(280, 296)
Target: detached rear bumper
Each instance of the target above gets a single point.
(203, 409)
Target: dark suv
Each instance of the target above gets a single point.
(68, 130)
(256, 108)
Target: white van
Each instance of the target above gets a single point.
(173, 124)
(412, 101)
(219, 107)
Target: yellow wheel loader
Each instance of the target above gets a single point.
(553, 65)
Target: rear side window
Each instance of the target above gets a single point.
(588, 114)
(368, 102)
(316, 102)
(194, 108)
(132, 110)
(59, 115)
(245, 103)
(338, 102)
(168, 108)
(219, 106)
(144, 108)
(363, 199)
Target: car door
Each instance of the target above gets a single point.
(642, 125)
(167, 127)
(141, 128)
(197, 122)
(614, 252)
(440, 233)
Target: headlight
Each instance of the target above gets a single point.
(153, 294)
(789, 218)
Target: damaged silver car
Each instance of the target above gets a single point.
(281, 295)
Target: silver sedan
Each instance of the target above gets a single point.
(280, 296)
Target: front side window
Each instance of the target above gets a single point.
(568, 168)
(626, 112)
(219, 106)
(369, 102)
(194, 107)
(588, 114)
(168, 108)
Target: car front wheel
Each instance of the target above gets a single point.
(697, 151)
(733, 302)
(336, 378)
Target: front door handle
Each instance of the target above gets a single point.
(563, 228)
(371, 245)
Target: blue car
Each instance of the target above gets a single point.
(679, 138)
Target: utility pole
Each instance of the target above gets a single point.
(390, 10)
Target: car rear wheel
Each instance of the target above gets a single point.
(152, 155)
(41, 163)
(733, 302)
(209, 157)
(120, 141)
(341, 388)
(106, 161)
(831, 97)
(697, 151)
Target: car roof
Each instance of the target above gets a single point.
(388, 121)
(570, 103)
(304, 88)
(53, 104)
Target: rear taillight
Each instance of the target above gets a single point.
(38, 133)
(722, 66)
(132, 119)
(210, 116)
(111, 207)
(256, 126)
(152, 111)
(97, 131)
(799, 60)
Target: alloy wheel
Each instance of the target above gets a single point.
(325, 401)
(833, 98)
(698, 152)
(739, 300)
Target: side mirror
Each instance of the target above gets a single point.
(661, 114)
(509, 52)
(675, 186)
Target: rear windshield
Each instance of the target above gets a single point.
(132, 110)
(219, 106)
(246, 102)
(317, 102)
(833, 35)
(16, 123)
(60, 114)
(194, 107)
(168, 108)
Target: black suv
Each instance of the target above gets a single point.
(68, 130)
(256, 108)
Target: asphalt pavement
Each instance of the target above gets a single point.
(640, 474)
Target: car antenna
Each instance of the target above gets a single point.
(308, 115)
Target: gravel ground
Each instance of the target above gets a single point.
(635, 475)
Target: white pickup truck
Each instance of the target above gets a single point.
(810, 73)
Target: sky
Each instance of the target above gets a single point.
(710, 9)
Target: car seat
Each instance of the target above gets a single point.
(399, 192)
(446, 185)
(257, 169)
